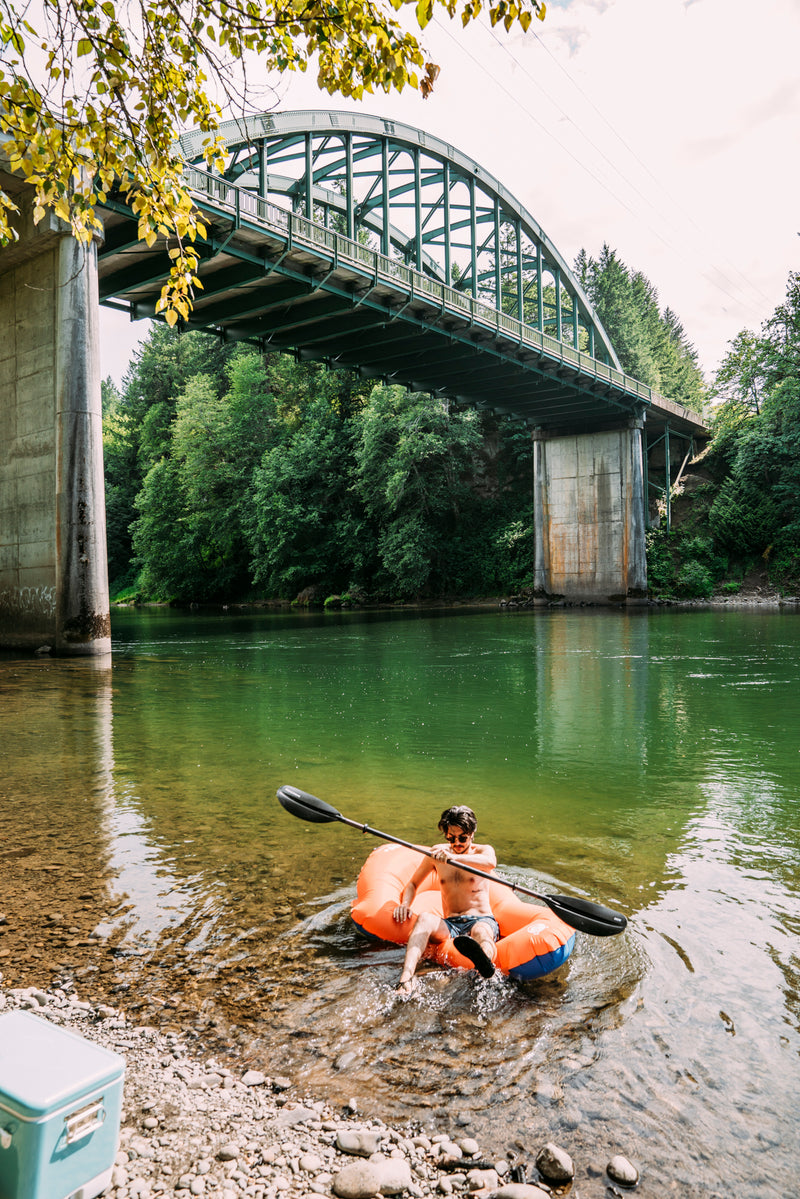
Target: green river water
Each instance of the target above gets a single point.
(649, 760)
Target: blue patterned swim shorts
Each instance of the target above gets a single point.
(460, 926)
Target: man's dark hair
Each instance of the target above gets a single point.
(461, 817)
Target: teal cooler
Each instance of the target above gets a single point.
(60, 1106)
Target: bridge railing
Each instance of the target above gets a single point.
(242, 204)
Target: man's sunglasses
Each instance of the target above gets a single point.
(461, 838)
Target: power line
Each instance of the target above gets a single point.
(659, 183)
(656, 232)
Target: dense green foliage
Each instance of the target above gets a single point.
(231, 476)
(745, 522)
(652, 346)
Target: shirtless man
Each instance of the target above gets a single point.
(468, 917)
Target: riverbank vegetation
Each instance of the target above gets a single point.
(737, 522)
(234, 476)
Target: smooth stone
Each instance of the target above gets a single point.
(469, 1146)
(482, 1180)
(254, 1078)
(621, 1170)
(228, 1153)
(395, 1176)
(362, 1144)
(555, 1164)
(311, 1163)
(520, 1190)
(359, 1180)
(289, 1117)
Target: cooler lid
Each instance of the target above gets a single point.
(44, 1067)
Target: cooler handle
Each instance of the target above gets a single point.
(85, 1121)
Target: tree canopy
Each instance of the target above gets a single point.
(233, 475)
(651, 344)
(94, 93)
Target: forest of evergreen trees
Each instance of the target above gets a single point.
(234, 476)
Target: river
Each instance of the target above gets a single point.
(648, 760)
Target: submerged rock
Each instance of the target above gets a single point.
(555, 1164)
(622, 1171)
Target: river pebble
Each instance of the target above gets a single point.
(622, 1171)
(555, 1164)
(521, 1190)
(192, 1126)
(359, 1180)
(363, 1144)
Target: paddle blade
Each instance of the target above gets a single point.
(587, 917)
(306, 806)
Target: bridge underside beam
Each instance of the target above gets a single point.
(282, 290)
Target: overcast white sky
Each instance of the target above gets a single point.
(668, 128)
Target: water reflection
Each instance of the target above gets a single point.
(649, 762)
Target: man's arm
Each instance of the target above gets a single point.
(403, 910)
(482, 857)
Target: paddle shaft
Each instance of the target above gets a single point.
(459, 863)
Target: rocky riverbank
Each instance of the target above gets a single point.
(191, 1126)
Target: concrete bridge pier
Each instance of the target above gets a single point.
(53, 571)
(589, 519)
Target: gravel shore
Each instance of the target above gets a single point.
(190, 1126)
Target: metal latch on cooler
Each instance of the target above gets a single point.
(86, 1120)
(5, 1138)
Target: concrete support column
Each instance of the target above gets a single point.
(53, 572)
(589, 516)
(82, 604)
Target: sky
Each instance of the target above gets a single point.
(669, 129)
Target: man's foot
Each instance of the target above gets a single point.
(472, 950)
(406, 987)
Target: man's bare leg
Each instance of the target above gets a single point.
(427, 926)
(479, 947)
(482, 933)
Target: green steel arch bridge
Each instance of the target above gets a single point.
(374, 246)
(363, 243)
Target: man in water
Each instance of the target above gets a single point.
(468, 916)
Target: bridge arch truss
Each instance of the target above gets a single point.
(412, 197)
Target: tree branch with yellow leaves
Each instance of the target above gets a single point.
(95, 93)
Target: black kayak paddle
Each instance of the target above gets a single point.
(580, 914)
